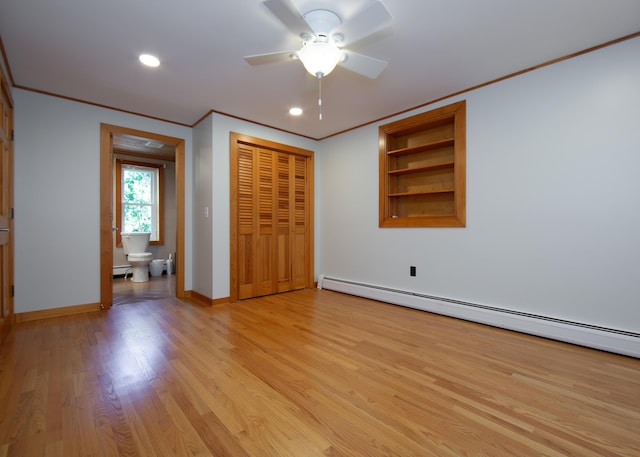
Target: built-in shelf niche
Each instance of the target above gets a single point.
(422, 169)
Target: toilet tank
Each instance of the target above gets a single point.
(136, 242)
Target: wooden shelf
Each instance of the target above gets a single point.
(423, 147)
(424, 192)
(439, 166)
(422, 169)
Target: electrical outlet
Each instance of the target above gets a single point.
(412, 271)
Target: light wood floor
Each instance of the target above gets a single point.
(126, 291)
(303, 374)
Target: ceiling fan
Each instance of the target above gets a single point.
(325, 37)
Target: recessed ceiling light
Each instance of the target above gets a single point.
(295, 111)
(149, 60)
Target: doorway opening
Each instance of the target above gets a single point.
(118, 141)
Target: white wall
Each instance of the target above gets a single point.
(553, 209)
(57, 196)
(202, 198)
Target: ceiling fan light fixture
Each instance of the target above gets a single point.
(319, 58)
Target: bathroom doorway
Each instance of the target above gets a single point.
(115, 140)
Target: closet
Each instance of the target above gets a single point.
(271, 217)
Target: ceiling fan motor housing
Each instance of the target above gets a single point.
(321, 22)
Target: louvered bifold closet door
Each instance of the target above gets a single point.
(292, 222)
(285, 227)
(246, 223)
(273, 237)
(266, 243)
(300, 243)
(257, 243)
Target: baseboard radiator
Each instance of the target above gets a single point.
(119, 270)
(606, 339)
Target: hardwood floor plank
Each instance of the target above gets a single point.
(120, 429)
(54, 449)
(184, 429)
(155, 436)
(307, 373)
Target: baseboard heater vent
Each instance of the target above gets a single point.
(603, 338)
(119, 270)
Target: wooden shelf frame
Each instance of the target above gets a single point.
(423, 169)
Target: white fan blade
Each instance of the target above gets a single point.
(364, 65)
(271, 57)
(288, 15)
(368, 21)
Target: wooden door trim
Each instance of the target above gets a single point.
(7, 320)
(236, 139)
(106, 183)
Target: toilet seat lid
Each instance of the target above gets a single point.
(140, 256)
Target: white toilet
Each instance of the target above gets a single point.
(135, 245)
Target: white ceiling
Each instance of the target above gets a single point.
(87, 50)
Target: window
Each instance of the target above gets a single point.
(139, 197)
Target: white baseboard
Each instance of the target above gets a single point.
(606, 339)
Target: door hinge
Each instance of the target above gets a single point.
(11, 135)
(12, 291)
(10, 213)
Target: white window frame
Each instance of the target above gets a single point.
(157, 224)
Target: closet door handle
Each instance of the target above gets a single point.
(5, 229)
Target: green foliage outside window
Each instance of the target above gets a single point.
(137, 199)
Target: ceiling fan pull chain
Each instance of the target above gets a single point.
(319, 96)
